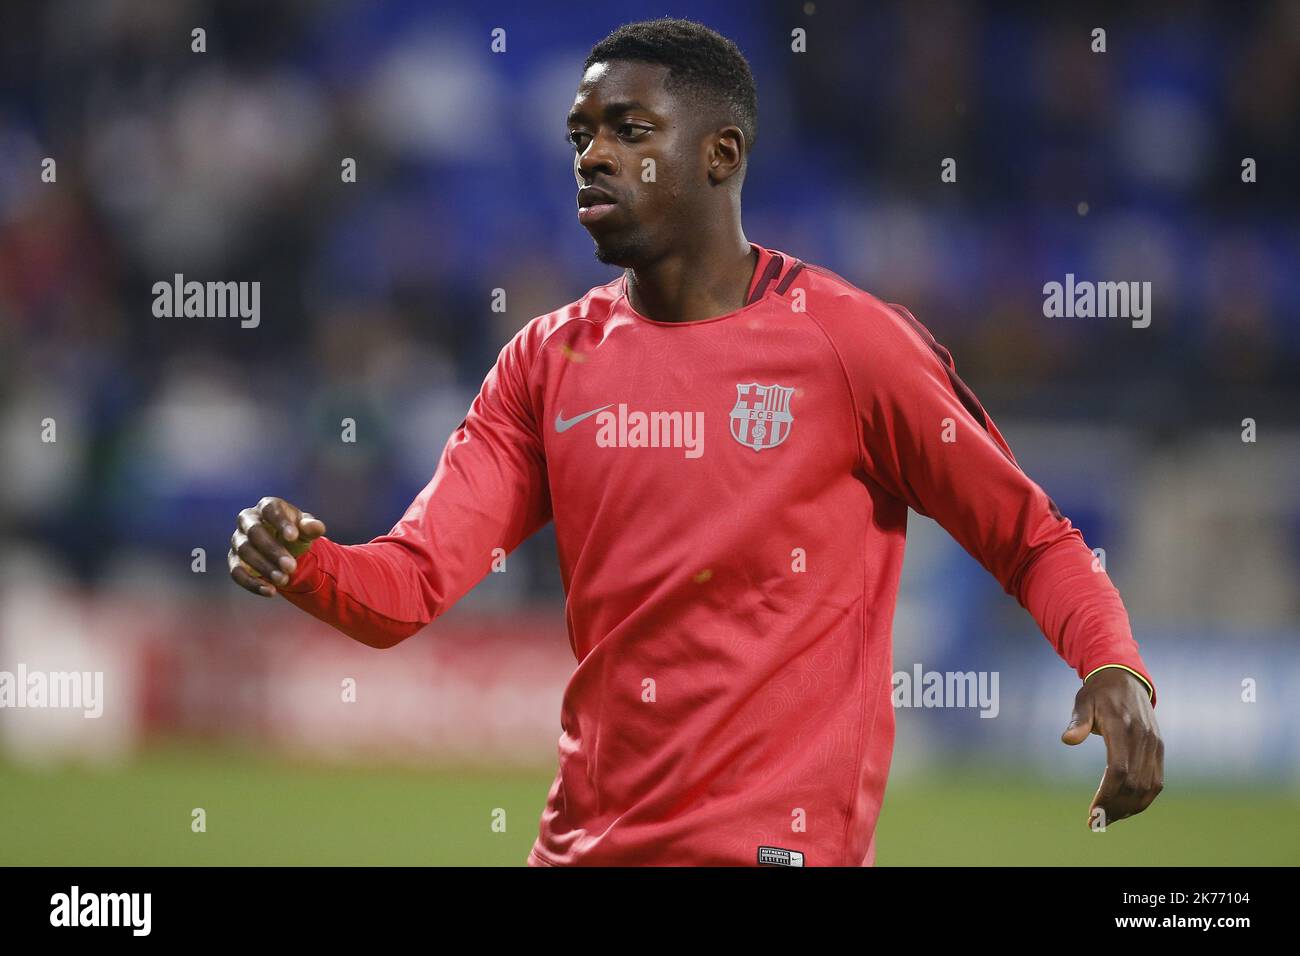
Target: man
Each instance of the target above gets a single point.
(728, 440)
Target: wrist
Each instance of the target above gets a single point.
(1140, 678)
(307, 575)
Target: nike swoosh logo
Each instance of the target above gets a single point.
(563, 426)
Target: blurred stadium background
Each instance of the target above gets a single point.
(376, 306)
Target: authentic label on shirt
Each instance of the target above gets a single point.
(775, 856)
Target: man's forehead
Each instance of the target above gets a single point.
(623, 81)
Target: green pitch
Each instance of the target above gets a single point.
(264, 812)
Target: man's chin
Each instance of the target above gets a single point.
(623, 254)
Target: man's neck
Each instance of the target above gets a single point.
(690, 286)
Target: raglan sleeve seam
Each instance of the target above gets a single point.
(530, 357)
(848, 382)
(534, 356)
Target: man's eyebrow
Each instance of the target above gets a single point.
(611, 109)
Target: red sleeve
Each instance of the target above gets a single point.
(927, 440)
(489, 491)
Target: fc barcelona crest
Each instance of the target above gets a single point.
(761, 418)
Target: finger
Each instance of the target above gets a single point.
(1097, 817)
(1149, 758)
(310, 526)
(1147, 788)
(1158, 774)
(250, 519)
(1143, 746)
(281, 516)
(1160, 760)
(276, 554)
(1107, 799)
(1115, 795)
(1133, 790)
(1081, 720)
(247, 581)
(241, 575)
(259, 563)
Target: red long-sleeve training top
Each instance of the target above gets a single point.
(730, 502)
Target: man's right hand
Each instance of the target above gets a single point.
(267, 540)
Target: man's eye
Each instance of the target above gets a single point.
(579, 139)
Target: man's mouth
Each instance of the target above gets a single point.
(594, 204)
(590, 214)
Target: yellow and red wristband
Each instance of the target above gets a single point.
(1151, 691)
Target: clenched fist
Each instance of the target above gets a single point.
(268, 539)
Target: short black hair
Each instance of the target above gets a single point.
(702, 64)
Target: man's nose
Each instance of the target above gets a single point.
(598, 157)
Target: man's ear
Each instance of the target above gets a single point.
(727, 150)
